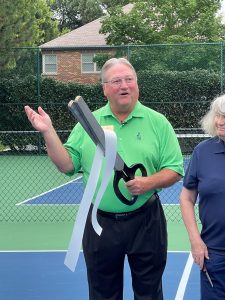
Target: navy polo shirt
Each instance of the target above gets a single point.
(206, 174)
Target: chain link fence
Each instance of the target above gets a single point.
(32, 189)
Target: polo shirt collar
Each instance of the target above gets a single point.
(219, 145)
(106, 111)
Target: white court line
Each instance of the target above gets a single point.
(184, 279)
(170, 204)
(58, 187)
(55, 250)
(31, 251)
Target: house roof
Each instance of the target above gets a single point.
(85, 36)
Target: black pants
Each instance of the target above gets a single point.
(143, 238)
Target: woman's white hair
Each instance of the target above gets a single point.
(208, 121)
(112, 62)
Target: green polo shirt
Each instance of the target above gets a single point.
(146, 137)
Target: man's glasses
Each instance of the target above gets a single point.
(116, 82)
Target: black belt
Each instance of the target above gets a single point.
(127, 215)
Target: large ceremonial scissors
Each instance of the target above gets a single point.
(83, 114)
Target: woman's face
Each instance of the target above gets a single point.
(220, 126)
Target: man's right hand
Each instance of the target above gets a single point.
(40, 120)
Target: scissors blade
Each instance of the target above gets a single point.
(208, 277)
(83, 114)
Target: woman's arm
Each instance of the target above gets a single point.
(198, 247)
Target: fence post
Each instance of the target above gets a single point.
(221, 66)
(128, 52)
(38, 92)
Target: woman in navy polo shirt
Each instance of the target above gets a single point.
(205, 178)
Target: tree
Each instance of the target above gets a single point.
(72, 14)
(164, 21)
(112, 3)
(23, 23)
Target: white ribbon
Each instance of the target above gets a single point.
(72, 254)
(110, 158)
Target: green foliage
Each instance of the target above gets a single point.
(100, 59)
(180, 57)
(23, 23)
(169, 57)
(72, 14)
(24, 61)
(183, 97)
(164, 22)
(112, 3)
(16, 92)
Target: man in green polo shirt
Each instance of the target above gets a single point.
(137, 231)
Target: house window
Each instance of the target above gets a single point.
(87, 64)
(49, 64)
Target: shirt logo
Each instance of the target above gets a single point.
(138, 136)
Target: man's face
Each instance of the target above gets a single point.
(121, 88)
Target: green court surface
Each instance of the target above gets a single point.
(55, 236)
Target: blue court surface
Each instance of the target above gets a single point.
(43, 276)
(71, 193)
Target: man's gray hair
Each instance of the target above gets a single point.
(112, 62)
(208, 121)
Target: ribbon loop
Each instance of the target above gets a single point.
(72, 254)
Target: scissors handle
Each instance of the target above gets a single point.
(127, 174)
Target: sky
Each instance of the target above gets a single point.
(223, 5)
(223, 9)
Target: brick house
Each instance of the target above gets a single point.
(70, 56)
